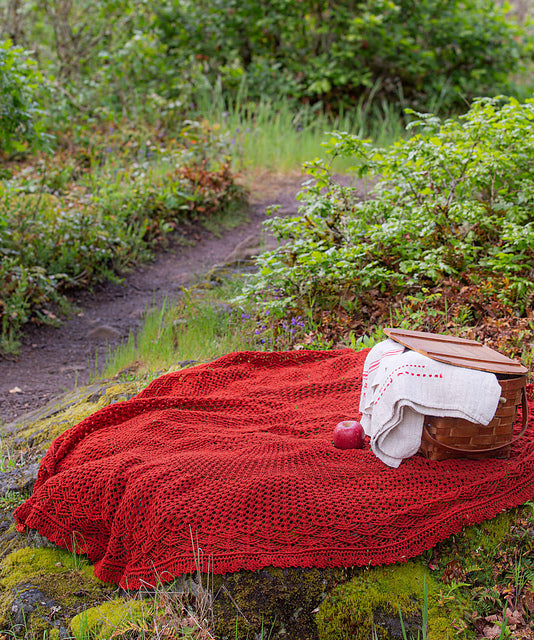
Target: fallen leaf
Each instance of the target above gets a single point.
(528, 598)
(492, 618)
(492, 632)
(453, 572)
(514, 617)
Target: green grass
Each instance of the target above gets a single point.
(281, 136)
(199, 327)
(7, 455)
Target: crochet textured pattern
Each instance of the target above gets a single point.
(235, 459)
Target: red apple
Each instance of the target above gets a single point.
(348, 434)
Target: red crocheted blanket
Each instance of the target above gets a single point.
(235, 457)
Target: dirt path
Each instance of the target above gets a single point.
(54, 360)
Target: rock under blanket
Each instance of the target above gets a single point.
(233, 462)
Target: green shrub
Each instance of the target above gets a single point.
(24, 291)
(157, 60)
(414, 53)
(455, 200)
(19, 110)
(100, 58)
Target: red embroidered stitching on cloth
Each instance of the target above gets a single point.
(237, 455)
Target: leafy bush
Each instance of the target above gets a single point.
(455, 201)
(158, 60)
(19, 111)
(410, 52)
(99, 58)
(24, 291)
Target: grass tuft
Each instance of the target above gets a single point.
(279, 136)
(201, 326)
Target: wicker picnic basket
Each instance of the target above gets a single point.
(445, 438)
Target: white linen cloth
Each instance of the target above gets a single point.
(401, 386)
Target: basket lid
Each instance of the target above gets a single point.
(457, 351)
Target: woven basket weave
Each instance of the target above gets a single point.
(445, 438)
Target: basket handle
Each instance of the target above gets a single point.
(524, 412)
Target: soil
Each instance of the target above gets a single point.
(53, 360)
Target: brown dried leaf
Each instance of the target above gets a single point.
(492, 632)
(514, 617)
(528, 598)
(493, 618)
(453, 572)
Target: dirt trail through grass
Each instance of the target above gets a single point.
(54, 360)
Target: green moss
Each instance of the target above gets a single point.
(39, 626)
(111, 618)
(281, 602)
(65, 579)
(6, 600)
(11, 540)
(371, 601)
(27, 564)
(490, 533)
(74, 407)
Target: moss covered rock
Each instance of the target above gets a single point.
(43, 588)
(113, 618)
(280, 602)
(387, 602)
(37, 430)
